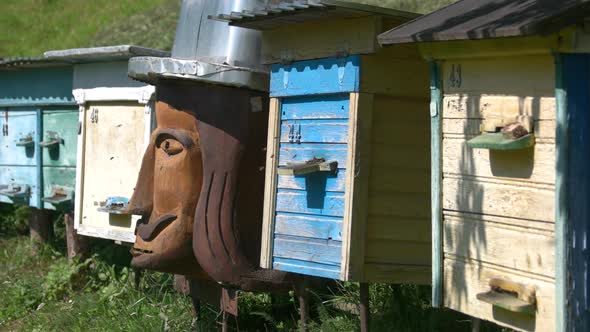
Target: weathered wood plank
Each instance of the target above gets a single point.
(534, 165)
(270, 184)
(400, 155)
(481, 106)
(23, 175)
(516, 201)
(296, 201)
(398, 229)
(512, 247)
(464, 280)
(314, 77)
(398, 274)
(302, 41)
(65, 124)
(520, 75)
(315, 131)
(310, 226)
(543, 129)
(21, 123)
(401, 180)
(304, 152)
(111, 144)
(327, 182)
(306, 249)
(316, 107)
(358, 164)
(60, 176)
(308, 268)
(398, 252)
(399, 204)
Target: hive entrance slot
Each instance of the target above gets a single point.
(308, 167)
(510, 296)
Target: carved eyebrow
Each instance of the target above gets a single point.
(180, 135)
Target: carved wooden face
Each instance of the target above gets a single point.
(167, 193)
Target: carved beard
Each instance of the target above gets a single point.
(201, 185)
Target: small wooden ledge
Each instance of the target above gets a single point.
(308, 167)
(497, 141)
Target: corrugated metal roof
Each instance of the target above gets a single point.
(106, 53)
(481, 19)
(292, 12)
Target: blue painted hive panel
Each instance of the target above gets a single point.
(310, 208)
(17, 161)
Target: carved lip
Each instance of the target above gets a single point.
(148, 232)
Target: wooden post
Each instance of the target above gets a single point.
(364, 306)
(41, 226)
(224, 321)
(475, 324)
(137, 277)
(303, 305)
(77, 244)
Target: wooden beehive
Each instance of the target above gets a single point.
(36, 106)
(347, 172)
(115, 122)
(510, 215)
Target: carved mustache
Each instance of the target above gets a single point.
(149, 231)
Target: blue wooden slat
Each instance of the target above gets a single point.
(575, 229)
(319, 227)
(296, 201)
(315, 131)
(310, 250)
(312, 181)
(307, 268)
(21, 122)
(65, 123)
(20, 175)
(303, 152)
(312, 77)
(316, 107)
(57, 176)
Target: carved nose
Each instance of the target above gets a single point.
(148, 232)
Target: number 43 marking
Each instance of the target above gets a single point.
(455, 77)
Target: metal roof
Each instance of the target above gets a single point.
(481, 19)
(106, 53)
(28, 62)
(298, 11)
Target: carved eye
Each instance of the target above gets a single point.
(171, 146)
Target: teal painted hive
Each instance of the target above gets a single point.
(38, 117)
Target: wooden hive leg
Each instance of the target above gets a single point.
(364, 306)
(41, 226)
(475, 324)
(137, 277)
(303, 303)
(77, 244)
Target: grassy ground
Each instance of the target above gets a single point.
(41, 291)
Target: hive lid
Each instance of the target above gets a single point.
(482, 19)
(292, 12)
(105, 53)
(209, 51)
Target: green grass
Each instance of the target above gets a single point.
(31, 27)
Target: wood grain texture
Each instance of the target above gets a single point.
(316, 131)
(358, 164)
(23, 175)
(111, 144)
(314, 77)
(270, 184)
(21, 123)
(513, 247)
(398, 227)
(334, 106)
(335, 183)
(64, 122)
(296, 201)
(480, 104)
(465, 279)
(303, 152)
(306, 267)
(311, 226)
(499, 199)
(338, 36)
(514, 75)
(307, 249)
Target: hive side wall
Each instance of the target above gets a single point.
(498, 206)
(397, 242)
